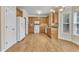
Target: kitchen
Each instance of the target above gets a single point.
(39, 28)
(46, 22)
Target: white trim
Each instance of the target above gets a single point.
(64, 39)
(8, 47)
(75, 42)
(69, 41)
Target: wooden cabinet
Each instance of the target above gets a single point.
(52, 33)
(47, 20)
(31, 28)
(19, 12)
(49, 32)
(42, 29)
(55, 21)
(53, 17)
(43, 23)
(31, 25)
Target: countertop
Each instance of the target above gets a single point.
(53, 26)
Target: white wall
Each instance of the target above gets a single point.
(73, 38)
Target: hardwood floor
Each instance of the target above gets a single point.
(42, 43)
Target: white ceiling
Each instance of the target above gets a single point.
(32, 10)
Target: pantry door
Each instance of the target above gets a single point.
(10, 26)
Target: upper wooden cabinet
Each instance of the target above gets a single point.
(50, 18)
(47, 19)
(53, 17)
(56, 17)
(19, 12)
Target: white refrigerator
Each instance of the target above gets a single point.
(20, 26)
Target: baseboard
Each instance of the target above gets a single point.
(75, 42)
(64, 39)
(8, 47)
(70, 41)
(4, 50)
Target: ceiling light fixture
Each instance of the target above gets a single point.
(51, 10)
(61, 9)
(39, 12)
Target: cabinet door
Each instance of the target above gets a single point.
(10, 26)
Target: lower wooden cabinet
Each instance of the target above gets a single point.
(52, 32)
(49, 32)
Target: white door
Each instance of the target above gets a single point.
(36, 28)
(10, 26)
